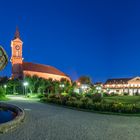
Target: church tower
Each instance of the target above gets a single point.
(16, 58)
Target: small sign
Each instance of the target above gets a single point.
(3, 58)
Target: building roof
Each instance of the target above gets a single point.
(118, 81)
(28, 66)
(17, 34)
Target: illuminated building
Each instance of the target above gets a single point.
(20, 69)
(123, 85)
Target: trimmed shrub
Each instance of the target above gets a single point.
(97, 97)
(89, 95)
(44, 99)
(113, 94)
(94, 103)
(64, 99)
(137, 94)
(71, 103)
(79, 104)
(126, 93)
(105, 94)
(78, 96)
(53, 98)
(84, 101)
(40, 95)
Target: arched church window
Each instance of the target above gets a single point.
(17, 53)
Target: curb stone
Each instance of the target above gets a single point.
(5, 127)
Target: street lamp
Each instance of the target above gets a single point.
(99, 89)
(61, 85)
(78, 83)
(5, 86)
(25, 84)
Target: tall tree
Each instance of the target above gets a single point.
(13, 85)
(85, 80)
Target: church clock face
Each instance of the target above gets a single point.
(17, 47)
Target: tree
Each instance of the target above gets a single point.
(85, 80)
(33, 83)
(14, 86)
(2, 93)
(3, 80)
(42, 85)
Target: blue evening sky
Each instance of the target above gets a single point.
(98, 38)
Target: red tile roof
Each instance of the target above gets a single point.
(28, 66)
(118, 81)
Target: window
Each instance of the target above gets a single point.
(17, 53)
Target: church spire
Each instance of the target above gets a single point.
(17, 34)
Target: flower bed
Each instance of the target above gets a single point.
(91, 102)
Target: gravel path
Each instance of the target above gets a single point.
(48, 122)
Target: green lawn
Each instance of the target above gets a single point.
(2, 98)
(124, 99)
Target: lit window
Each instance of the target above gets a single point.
(17, 53)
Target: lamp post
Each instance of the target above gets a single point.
(62, 87)
(78, 84)
(5, 86)
(84, 87)
(98, 88)
(25, 84)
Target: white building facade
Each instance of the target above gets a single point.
(123, 85)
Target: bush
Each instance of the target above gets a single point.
(79, 104)
(97, 97)
(41, 95)
(44, 99)
(85, 102)
(116, 107)
(76, 95)
(137, 94)
(64, 93)
(126, 93)
(113, 94)
(106, 94)
(2, 92)
(72, 103)
(53, 98)
(73, 99)
(64, 99)
(94, 103)
(89, 95)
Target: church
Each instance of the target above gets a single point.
(20, 69)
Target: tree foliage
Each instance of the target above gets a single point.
(38, 85)
(85, 80)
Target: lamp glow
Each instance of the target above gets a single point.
(25, 84)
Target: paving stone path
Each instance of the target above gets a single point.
(48, 122)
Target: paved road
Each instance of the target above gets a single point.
(48, 122)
